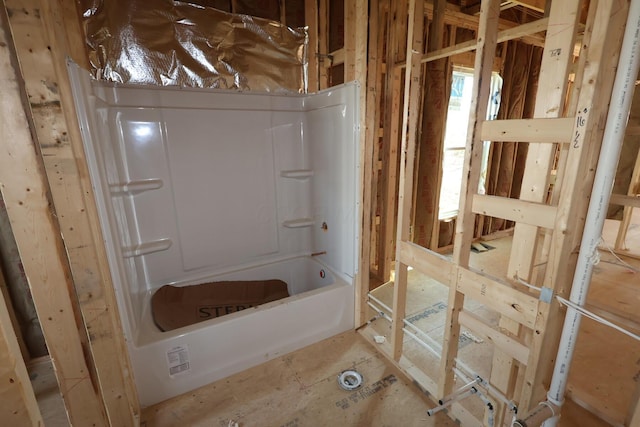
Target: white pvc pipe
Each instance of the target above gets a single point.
(459, 391)
(381, 313)
(380, 303)
(617, 118)
(451, 401)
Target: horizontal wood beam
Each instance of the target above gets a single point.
(503, 36)
(505, 343)
(456, 17)
(632, 130)
(523, 30)
(528, 130)
(450, 51)
(536, 5)
(427, 262)
(474, 9)
(622, 200)
(337, 57)
(467, 59)
(516, 210)
(500, 297)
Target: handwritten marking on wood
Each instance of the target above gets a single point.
(580, 122)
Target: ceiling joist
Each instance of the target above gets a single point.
(456, 17)
(535, 5)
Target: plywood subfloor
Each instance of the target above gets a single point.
(604, 373)
(606, 367)
(300, 389)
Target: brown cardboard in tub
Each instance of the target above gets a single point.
(177, 306)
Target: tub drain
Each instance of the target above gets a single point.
(350, 380)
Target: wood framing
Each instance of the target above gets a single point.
(525, 340)
(45, 185)
(456, 17)
(602, 58)
(437, 83)
(412, 87)
(633, 417)
(15, 323)
(372, 133)
(426, 261)
(311, 20)
(487, 40)
(356, 70)
(521, 211)
(396, 29)
(554, 77)
(18, 406)
(504, 342)
(503, 36)
(529, 130)
(45, 34)
(25, 192)
(631, 201)
(324, 60)
(552, 89)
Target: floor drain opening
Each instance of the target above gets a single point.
(350, 380)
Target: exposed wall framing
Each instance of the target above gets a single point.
(388, 157)
(45, 33)
(407, 42)
(355, 69)
(548, 220)
(26, 194)
(452, 40)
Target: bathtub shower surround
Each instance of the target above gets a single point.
(198, 185)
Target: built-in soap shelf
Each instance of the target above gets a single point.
(138, 186)
(298, 223)
(297, 173)
(147, 248)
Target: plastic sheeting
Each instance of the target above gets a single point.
(173, 43)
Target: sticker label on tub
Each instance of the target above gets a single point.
(178, 360)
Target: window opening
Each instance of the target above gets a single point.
(456, 138)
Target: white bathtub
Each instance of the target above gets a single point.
(317, 309)
(194, 186)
